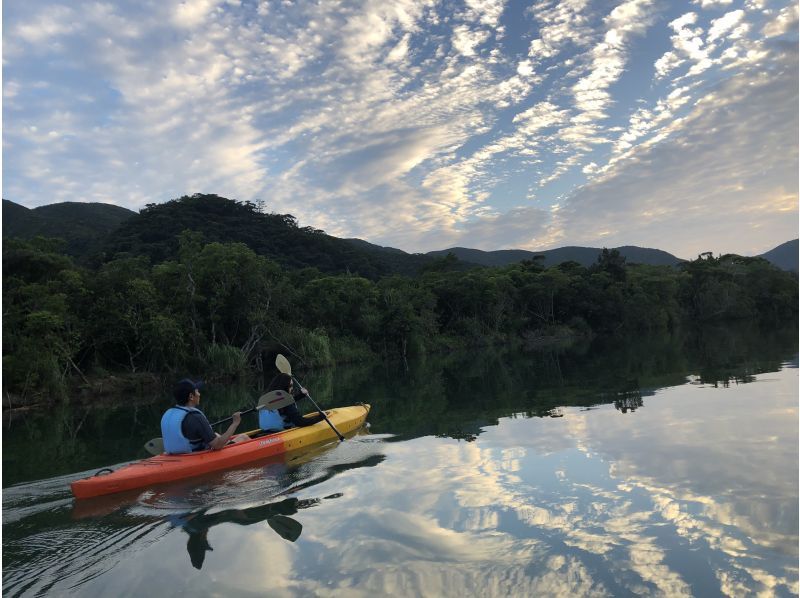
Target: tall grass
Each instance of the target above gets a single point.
(224, 361)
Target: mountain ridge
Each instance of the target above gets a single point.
(88, 227)
(784, 256)
(81, 225)
(585, 256)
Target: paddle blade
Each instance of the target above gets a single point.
(154, 446)
(283, 365)
(276, 399)
(286, 527)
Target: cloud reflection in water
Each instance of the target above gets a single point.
(694, 493)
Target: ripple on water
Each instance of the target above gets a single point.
(54, 545)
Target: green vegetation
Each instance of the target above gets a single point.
(170, 294)
(155, 232)
(81, 225)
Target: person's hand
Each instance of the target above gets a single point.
(303, 391)
(237, 418)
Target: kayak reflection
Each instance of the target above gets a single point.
(277, 515)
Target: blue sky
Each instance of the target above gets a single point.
(420, 124)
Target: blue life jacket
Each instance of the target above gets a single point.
(175, 443)
(269, 420)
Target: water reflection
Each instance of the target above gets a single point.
(277, 515)
(62, 547)
(460, 394)
(454, 395)
(695, 495)
(660, 467)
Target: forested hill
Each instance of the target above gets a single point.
(97, 232)
(585, 256)
(154, 232)
(154, 299)
(82, 225)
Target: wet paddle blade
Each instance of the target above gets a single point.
(283, 365)
(275, 400)
(286, 527)
(154, 446)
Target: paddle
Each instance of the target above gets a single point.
(285, 367)
(272, 400)
(286, 527)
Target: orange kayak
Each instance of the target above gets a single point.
(167, 468)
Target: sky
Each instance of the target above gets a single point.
(420, 124)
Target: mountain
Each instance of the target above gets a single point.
(784, 256)
(155, 230)
(372, 247)
(81, 225)
(586, 256)
(100, 231)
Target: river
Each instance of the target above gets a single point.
(648, 466)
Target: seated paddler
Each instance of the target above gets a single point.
(286, 417)
(185, 428)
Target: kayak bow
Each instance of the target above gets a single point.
(166, 468)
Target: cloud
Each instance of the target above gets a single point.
(465, 40)
(712, 3)
(387, 157)
(487, 12)
(191, 13)
(609, 57)
(785, 22)
(560, 24)
(707, 165)
(44, 27)
(450, 120)
(724, 24)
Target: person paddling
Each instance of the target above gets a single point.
(185, 428)
(286, 417)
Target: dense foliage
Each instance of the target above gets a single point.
(194, 303)
(154, 233)
(82, 226)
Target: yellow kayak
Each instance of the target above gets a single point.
(167, 468)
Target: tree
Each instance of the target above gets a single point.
(612, 262)
(407, 313)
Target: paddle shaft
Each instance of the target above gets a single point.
(228, 419)
(272, 400)
(325, 417)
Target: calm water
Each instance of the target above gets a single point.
(656, 467)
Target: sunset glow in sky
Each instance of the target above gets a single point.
(420, 124)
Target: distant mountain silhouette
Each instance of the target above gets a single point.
(784, 256)
(585, 256)
(101, 231)
(81, 225)
(372, 247)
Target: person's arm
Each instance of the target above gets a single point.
(292, 413)
(222, 439)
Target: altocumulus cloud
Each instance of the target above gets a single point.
(420, 124)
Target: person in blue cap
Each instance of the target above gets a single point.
(185, 428)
